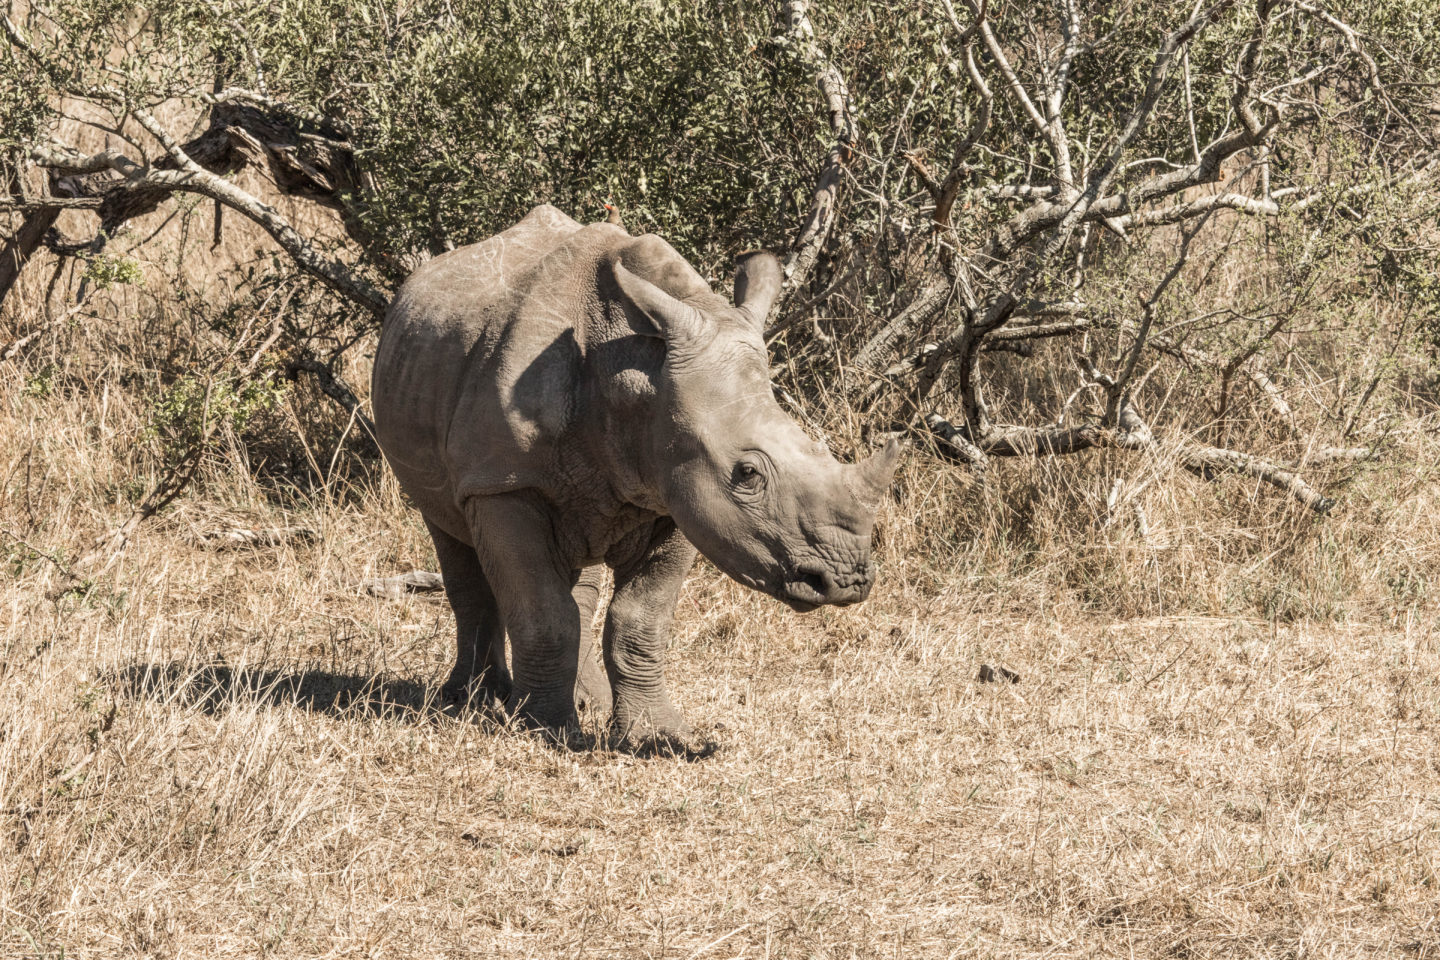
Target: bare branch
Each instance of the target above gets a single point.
(927, 303)
(28, 205)
(1044, 215)
(944, 194)
(1017, 89)
(1140, 116)
(1200, 207)
(333, 387)
(1118, 398)
(1038, 331)
(824, 200)
(954, 441)
(1357, 49)
(192, 178)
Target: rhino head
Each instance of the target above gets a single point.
(761, 500)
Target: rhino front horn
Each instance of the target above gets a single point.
(877, 470)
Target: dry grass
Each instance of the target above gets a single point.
(1223, 742)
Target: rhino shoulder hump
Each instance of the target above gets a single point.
(545, 215)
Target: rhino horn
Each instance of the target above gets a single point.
(670, 319)
(757, 282)
(876, 471)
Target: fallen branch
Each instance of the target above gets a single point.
(927, 303)
(257, 537)
(1205, 461)
(395, 588)
(1210, 462)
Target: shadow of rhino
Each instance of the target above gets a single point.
(217, 687)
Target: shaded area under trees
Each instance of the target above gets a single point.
(971, 182)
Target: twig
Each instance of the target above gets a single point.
(333, 387)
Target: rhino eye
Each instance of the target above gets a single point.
(748, 478)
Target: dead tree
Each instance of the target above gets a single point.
(1023, 280)
(1019, 282)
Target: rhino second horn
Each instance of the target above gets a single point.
(876, 472)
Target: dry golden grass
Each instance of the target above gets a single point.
(1223, 742)
(232, 753)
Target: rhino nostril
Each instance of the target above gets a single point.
(809, 584)
(816, 580)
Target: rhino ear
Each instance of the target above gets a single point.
(757, 283)
(660, 315)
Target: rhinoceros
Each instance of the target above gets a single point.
(559, 397)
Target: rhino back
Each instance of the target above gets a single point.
(480, 361)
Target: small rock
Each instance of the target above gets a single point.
(989, 674)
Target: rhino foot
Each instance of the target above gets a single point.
(660, 721)
(478, 692)
(530, 713)
(592, 690)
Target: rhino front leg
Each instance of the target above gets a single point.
(514, 536)
(637, 631)
(480, 632)
(592, 689)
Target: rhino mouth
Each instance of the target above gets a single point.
(804, 589)
(796, 604)
(812, 585)
(807, 586)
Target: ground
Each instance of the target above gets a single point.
(233, 752)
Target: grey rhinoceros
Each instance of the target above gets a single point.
(561, 396)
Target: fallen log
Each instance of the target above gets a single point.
(395, 588)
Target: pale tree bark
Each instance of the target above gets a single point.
(804, 254)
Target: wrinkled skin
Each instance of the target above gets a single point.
(561, 396)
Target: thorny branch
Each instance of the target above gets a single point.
(1018, 255)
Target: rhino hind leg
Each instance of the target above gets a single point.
(514, 537)
(480, 671)
(592, 689)
(637, 631)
